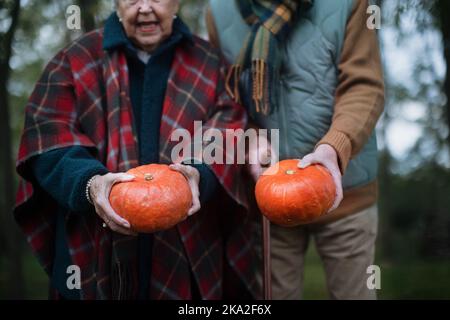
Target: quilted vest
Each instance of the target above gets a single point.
(308, 80)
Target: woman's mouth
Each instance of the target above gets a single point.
(147, 26)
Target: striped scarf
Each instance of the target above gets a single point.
(271, 22)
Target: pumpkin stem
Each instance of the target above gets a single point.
(148, 177)
(290, 172)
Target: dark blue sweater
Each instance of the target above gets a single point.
(63, 173)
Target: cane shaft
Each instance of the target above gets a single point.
(267, 281)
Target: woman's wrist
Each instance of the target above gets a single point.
(88, 189)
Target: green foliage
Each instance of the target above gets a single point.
(414, 189)
(414, 217)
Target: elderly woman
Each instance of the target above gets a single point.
(107, 103)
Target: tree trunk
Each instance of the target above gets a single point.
(443, 8)
(88, 11)
(13, 243)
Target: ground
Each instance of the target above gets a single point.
(417, 279)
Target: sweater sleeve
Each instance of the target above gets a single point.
(360, 91)
(63, 174)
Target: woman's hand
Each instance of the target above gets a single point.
(99, 193)
(193, 177)
(326, 156)
(259, 156)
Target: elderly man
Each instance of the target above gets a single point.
(312, 70)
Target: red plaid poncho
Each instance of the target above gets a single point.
(82, 99)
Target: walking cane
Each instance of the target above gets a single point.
(267, 280)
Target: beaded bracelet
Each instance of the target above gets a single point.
(88, 187)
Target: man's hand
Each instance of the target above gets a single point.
(99, 193)
(193, 177)
(326, 156)
(259, 156)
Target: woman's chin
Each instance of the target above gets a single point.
(148, 43)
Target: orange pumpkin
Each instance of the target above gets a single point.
(291, 196)
(157, 199)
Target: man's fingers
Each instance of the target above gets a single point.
(339, 193)
(332, 169)
(252, 157)
(337, 179)
(255, 171)
(306, 161)
(265, 158)
(326, 155)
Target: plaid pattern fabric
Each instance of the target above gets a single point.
(82, 99)
(271, 21)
